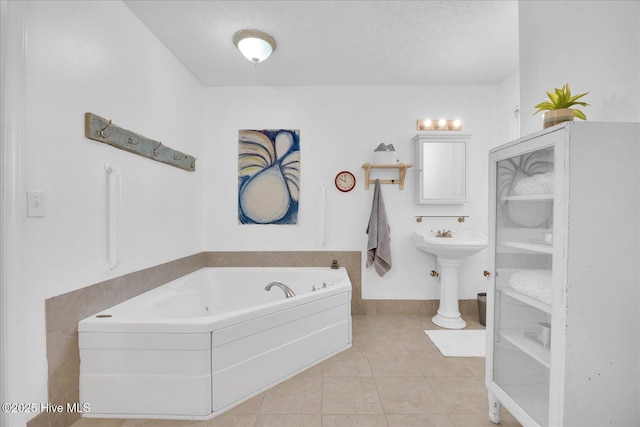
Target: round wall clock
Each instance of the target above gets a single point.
(345, 181)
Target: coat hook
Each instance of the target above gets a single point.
(156, 148)
(132, 142)
(103, 134)
(176, 157)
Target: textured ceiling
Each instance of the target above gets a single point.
(341, 42)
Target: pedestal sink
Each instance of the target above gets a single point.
(450, 252)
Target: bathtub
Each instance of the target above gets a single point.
(199, 345)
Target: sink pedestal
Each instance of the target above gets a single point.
(449, 252)
(449, 313)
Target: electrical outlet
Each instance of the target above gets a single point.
(35, 203)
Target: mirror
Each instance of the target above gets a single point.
(441, 168)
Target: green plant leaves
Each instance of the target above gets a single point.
(561, 98)
(579, 114)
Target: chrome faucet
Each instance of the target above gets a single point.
(287, 290)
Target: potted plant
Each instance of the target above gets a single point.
(557, 107)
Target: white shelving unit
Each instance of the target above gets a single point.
(531, 246)
(507, 290)
(528, 345)
(582, 185)
(528, 197)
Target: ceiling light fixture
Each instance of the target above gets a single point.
(255, 45)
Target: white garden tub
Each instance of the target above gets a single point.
(201, 344)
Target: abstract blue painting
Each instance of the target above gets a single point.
(268, 176)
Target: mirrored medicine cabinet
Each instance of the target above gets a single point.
(441, 159)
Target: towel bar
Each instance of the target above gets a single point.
(461, 218)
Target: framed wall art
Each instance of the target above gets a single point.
(268, 176)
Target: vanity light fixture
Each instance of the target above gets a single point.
(440, 124)
(255, 45)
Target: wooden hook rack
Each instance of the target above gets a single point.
(402, 169)
(103, 130)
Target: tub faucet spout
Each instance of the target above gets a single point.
(287, 290)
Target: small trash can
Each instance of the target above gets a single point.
(482, 308)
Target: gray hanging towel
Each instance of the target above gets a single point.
(379, 243)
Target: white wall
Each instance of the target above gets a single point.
(593, 46)
(340, 127)
(95, 57)
(508, 108)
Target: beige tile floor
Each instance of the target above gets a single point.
(392, 376)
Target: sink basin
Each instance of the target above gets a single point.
(461, 245)
(449, 252)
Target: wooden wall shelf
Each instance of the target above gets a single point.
(402, 169)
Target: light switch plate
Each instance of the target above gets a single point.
(35, 203)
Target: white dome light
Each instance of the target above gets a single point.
(255, 45)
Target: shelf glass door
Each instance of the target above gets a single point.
(524, 247)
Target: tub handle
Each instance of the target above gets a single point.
(114, 191)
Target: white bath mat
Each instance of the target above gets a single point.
(459, 343)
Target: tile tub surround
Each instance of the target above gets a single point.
(63, 312)
(392, 376)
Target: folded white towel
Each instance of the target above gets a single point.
(533, 283)
(379, 243)
(541, 183)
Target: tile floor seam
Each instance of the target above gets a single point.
(380, 398)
